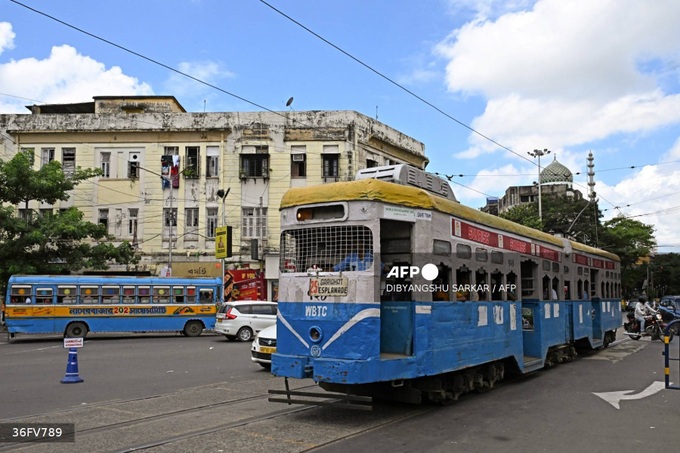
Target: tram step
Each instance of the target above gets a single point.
(532, 363)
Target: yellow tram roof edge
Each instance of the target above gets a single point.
(402, 195)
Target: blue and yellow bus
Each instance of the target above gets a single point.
(76, 305)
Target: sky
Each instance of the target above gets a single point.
(481, 83)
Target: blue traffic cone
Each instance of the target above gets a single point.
(71, 376)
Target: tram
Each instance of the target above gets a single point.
(390, 287)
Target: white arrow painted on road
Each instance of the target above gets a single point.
(614, 398)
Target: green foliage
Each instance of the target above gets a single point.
(55, 243)
(630, 239)
(525, 214)
(663, 272)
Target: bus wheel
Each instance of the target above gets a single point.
(76, 330)
(193, 329)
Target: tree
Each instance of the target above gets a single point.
(631, 240)
(525, 214)
(53, 243)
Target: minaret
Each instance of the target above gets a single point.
(591, 177)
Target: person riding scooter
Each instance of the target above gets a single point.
(642, 310)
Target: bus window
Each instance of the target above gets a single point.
(191, 295)
(178, 294)
(67, 294)
(43, 295)
(206, 296)
(144, 293)
(111, 294)
(129, 295)
(89, 294)
(161, 294)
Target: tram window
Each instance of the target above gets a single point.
(496, 286)
(497, 257)
(441, 247)
(334, 211)
(324, 247)
(481, 255)
(567, 290)
(546, 265)
(556, 267)
(511, 282)
(463, 251)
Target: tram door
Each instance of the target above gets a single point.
(396, 303)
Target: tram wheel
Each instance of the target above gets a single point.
(193, 329)
(76, 330)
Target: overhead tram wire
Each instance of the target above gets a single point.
(170, 68)
(380, 74)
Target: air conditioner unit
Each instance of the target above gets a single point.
(298, 157)
(134, 157)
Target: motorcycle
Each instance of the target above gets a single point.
(654, 327)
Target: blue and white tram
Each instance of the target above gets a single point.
(390, 287)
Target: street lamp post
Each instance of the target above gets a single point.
(538, 153)
(223, 195)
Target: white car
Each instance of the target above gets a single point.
(242, 320)
(264, 345)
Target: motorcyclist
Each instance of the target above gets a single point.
(642, 309)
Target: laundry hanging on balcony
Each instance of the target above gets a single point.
(170, 171)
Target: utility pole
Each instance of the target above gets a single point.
(538, 153)
(171, 216)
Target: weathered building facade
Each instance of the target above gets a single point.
(164, 169)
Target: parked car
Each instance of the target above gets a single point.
(264, 345)
(671, 302)
(242, 320)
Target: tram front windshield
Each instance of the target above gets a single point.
(327, 249)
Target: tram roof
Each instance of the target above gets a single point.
(398, 194)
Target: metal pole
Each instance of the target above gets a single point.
(172, 218)
(540, 207)
(538, 153)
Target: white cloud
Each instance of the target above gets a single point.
(650, 195)
(574, 70)
(6, 36)
(65, 76)
(205, 71)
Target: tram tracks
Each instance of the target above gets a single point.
(189, 421)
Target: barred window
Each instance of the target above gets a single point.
(324, 248)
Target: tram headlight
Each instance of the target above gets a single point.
(315, 334)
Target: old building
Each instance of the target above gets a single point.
(170, 177)
(556, 180)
